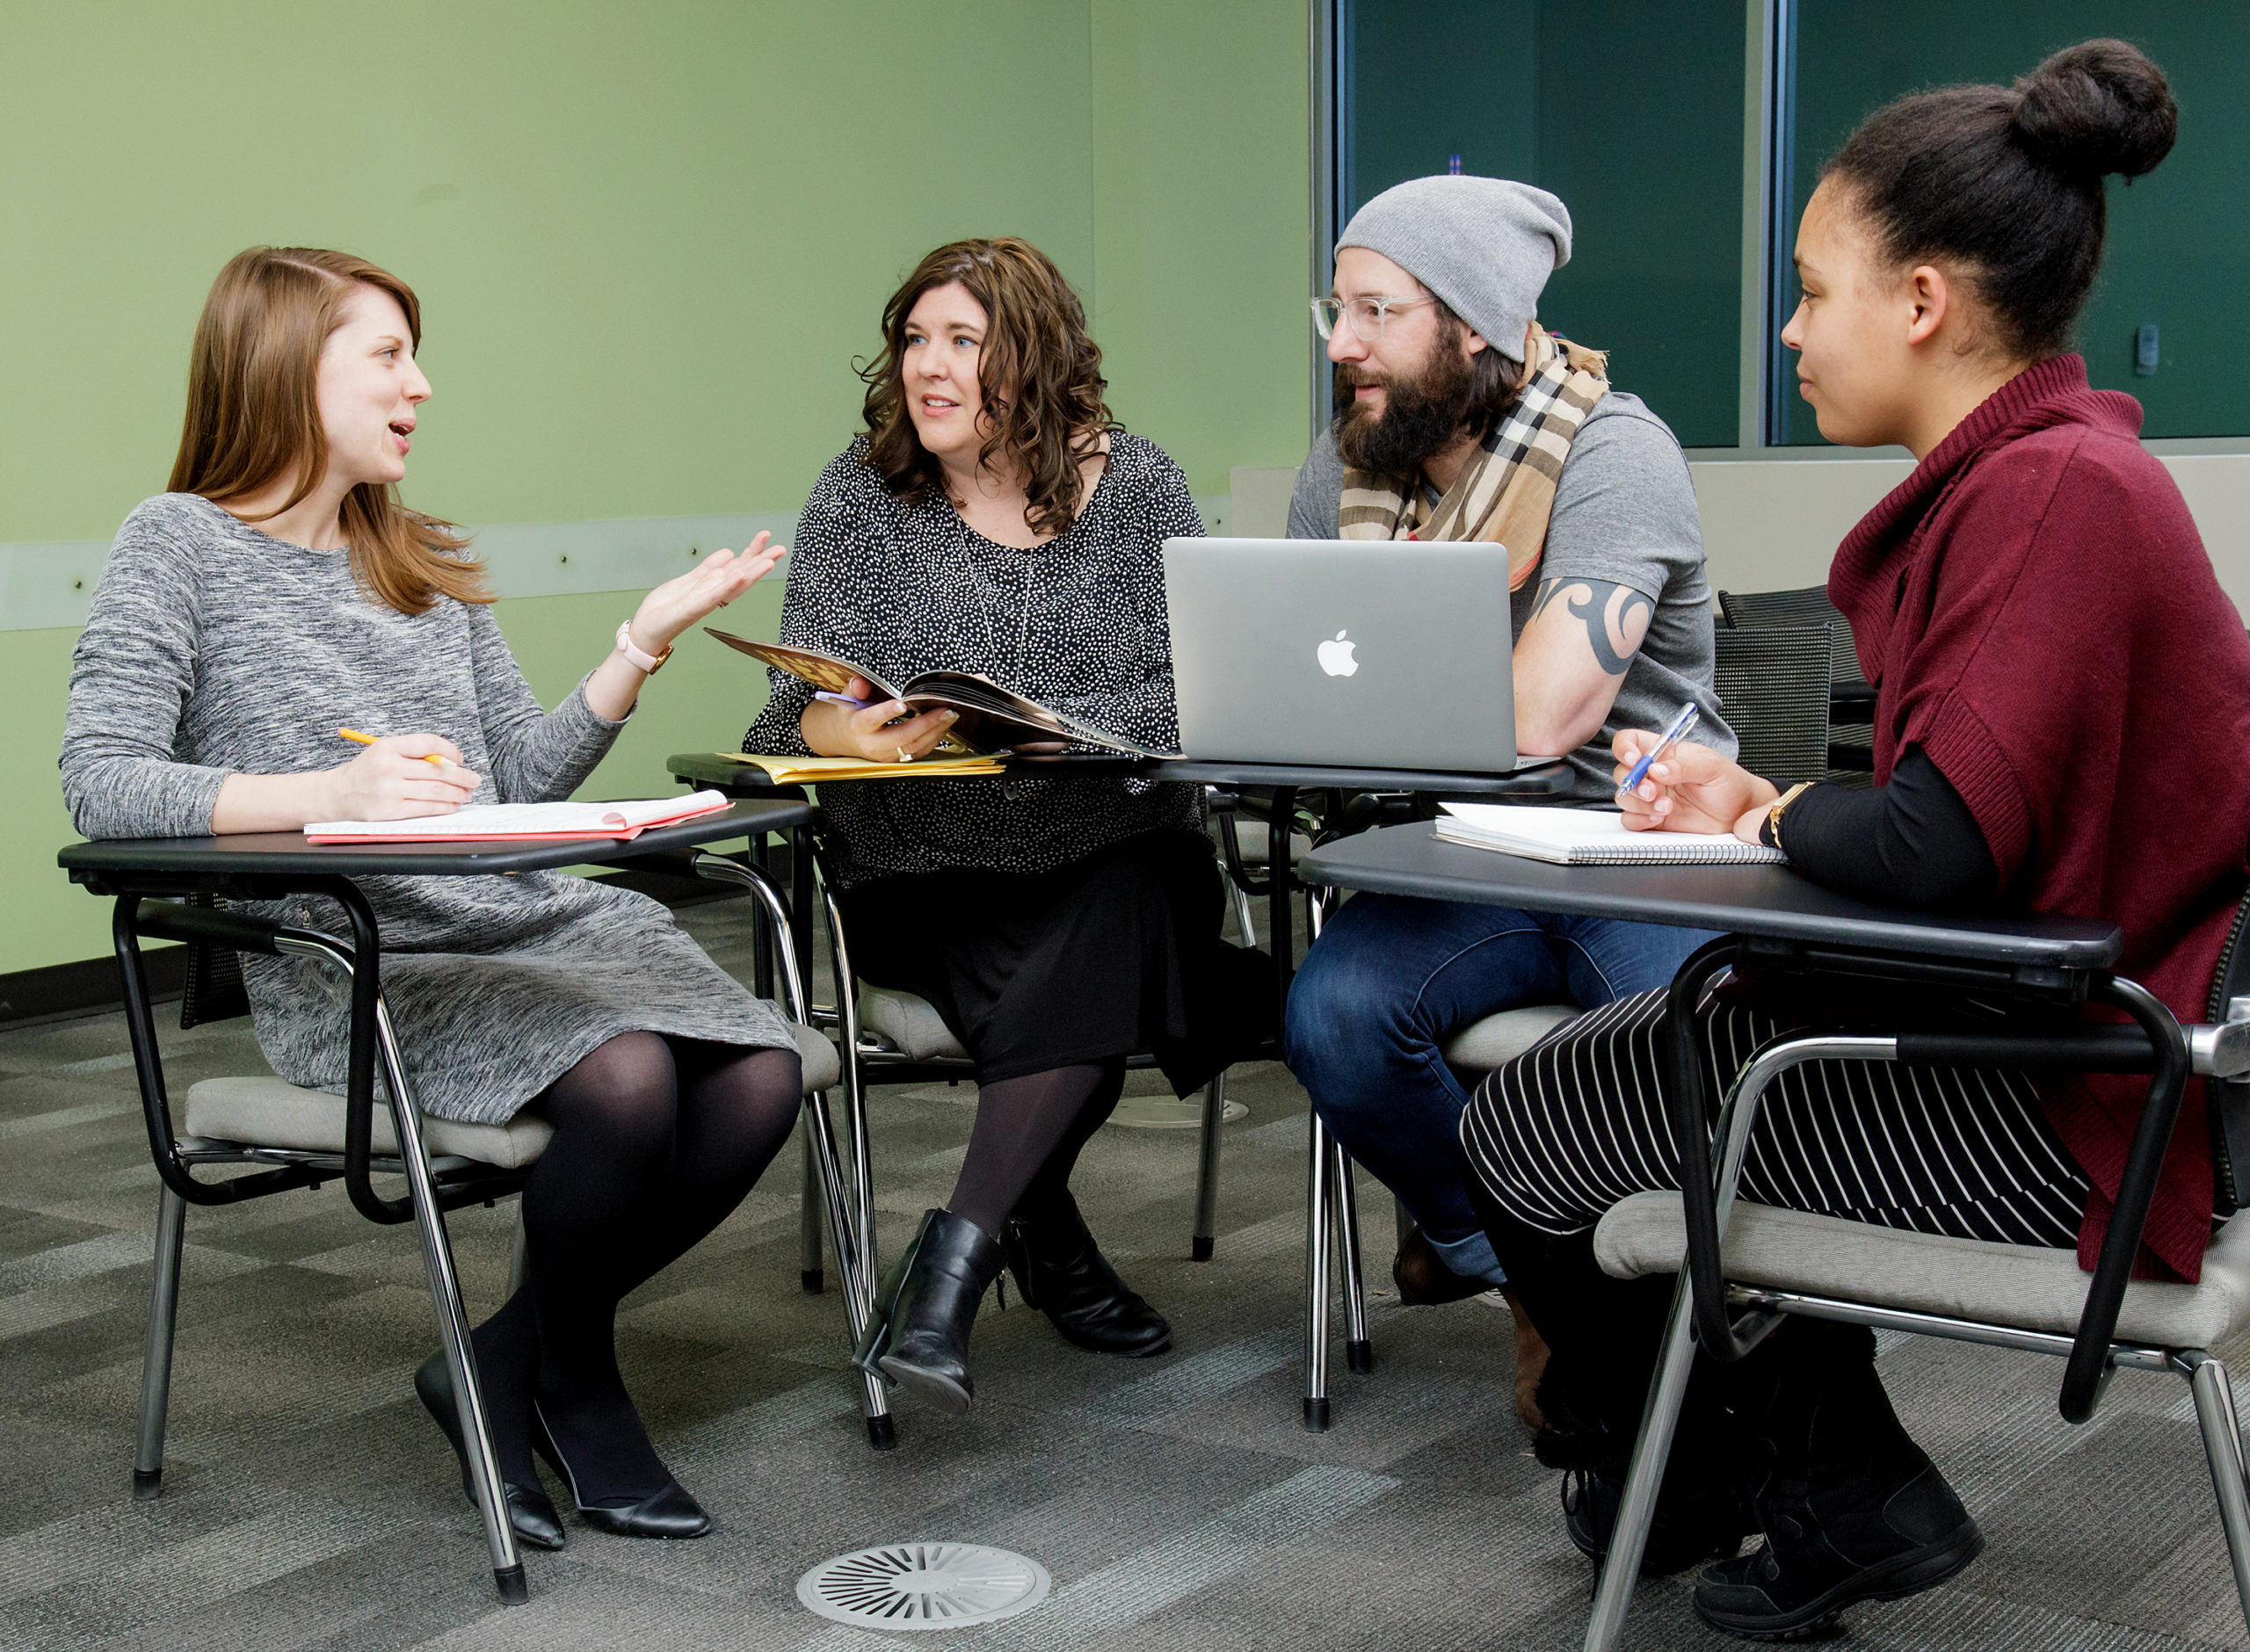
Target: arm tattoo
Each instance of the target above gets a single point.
(1606, 608)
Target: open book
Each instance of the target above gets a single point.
(1589, 837)
(505, 822)
(990, 718)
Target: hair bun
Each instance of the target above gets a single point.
(2094, 108)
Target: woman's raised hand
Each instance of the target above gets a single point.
(885, 731)
(720, 577)
(393, 779)
(1692, 789)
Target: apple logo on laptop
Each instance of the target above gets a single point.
(1336, 657)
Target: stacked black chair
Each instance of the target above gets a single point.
(1851, 751)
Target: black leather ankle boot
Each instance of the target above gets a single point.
(1852, 1509)
(1062, 1273)
(919, 1336)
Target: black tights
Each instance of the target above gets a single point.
(1026, 1138)
(656, 1141)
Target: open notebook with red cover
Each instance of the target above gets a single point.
(510, 822)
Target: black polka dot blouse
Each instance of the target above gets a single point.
(1076, 624)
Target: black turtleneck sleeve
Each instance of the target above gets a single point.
(1910, 843)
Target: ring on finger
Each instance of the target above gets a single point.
(904, 757)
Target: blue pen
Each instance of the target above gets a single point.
(842, 700)
(1676, 732)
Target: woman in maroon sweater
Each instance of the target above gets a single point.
(2061, 688)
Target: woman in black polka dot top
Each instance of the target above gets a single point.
(995, 518)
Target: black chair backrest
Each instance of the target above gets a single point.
(1773, 683)
(2230, 1098)
(213, 990)
(1747, 609)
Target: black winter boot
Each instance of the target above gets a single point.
(1689, 1526)
(1852, 1509)
(1062, 1273)
(919, 1335)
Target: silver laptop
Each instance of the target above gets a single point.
(1364, 653)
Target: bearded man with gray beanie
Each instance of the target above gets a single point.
(1466, 420)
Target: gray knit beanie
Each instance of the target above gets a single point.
(1485, 245)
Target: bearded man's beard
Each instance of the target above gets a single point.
(1422, 416)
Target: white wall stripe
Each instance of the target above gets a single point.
(44, 585)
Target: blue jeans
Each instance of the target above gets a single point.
(1392, 978)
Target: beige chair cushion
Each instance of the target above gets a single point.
(2026, 1287)
(823, 1068)
(909, 1023)
(1498, 1039)
(268, 1113)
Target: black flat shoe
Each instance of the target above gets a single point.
(668, 1512)
(919, 1336)
(530, 1510)
(1061, 1272)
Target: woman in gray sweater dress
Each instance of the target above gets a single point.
(278, 591)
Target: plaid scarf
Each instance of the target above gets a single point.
(1505, 493)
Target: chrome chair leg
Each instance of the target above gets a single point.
(1206, 1168)
(851, 1224)
(2223, 1447)
(1320, 1162)
(485, 1486)
(1731, 1131)
(855, 1103)
(1621, 1568)
(453, 1320)
(859, 1277)
(518, 1253)
(858, 1294)
(810, 1272)
(1359, 1352)
(156, 1352)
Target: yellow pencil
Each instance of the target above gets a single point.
(368, 740)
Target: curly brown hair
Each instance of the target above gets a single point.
(1040, 375)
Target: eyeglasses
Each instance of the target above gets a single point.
(1361, 317)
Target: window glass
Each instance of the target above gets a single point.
(1631, 113)
(2178, 238)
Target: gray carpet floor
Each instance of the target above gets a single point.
(1177, 1503)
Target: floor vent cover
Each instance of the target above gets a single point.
(924, 1586)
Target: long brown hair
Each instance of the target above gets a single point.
(253, 414)
(1039, 373)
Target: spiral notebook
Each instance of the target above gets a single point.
(1590, 837)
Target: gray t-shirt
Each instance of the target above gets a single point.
(1624, 512)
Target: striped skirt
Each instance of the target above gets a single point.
(1578, 1123)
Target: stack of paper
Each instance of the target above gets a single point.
(504, 822)
(1588, 837)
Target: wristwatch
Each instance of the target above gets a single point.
(1770, 833)
(648, 664)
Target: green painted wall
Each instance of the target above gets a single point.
(2178, 238)
(649, 242)
(1631, 112)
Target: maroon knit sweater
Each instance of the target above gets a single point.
(2038, 613)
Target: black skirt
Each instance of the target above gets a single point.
(1114, 954)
